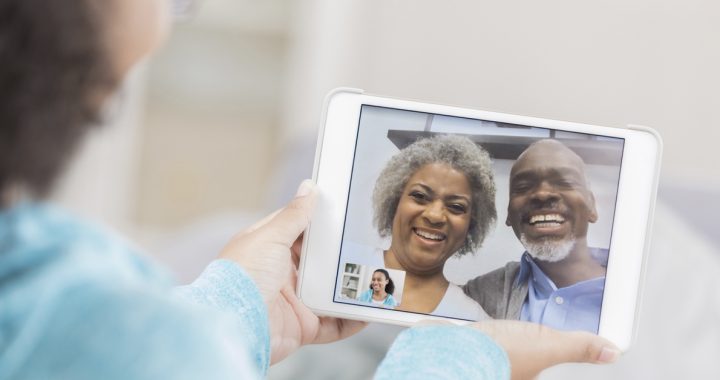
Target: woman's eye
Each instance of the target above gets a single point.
(457, 208)
(418, 196)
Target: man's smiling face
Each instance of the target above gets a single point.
(550, 205)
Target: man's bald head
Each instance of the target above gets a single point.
(542, 150)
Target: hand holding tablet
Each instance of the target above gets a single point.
(409, 193)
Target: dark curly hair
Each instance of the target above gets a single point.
(390, 287)
(54, 74)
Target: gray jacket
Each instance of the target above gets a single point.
(498, 291)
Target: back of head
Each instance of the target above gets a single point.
(54, 75)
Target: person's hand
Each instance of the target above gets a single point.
(532, 347)
(270, 251)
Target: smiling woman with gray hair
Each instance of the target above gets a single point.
(435, 199)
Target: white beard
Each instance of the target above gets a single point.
(548, 250)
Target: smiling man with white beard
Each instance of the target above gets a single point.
(559, 281)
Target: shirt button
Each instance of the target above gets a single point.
(559, 300)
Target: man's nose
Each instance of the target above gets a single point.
(544, 192)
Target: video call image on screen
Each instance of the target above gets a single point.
(475, 219)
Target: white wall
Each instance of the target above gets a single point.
(609, 63)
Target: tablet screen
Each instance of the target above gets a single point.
(470, 219)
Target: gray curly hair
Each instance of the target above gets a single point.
(459, 153)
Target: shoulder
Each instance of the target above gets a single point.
(454, 292)
(49, 256)
(365, 296)
(456, 304)
(495, 279)
(43, 240)
(83, 296)
(134, 332)
(494, 289)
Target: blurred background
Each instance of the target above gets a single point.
(219, 127)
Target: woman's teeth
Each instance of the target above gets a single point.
(429, 235)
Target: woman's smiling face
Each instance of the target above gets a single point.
(378, 282)
(432, 218)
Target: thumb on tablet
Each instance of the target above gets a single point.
(264, 250)
(287, 225)
(532, 347)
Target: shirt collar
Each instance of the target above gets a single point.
(524, 269)
(529, 268)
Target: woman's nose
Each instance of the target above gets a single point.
(434, 213)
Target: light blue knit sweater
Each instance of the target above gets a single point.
(79, 303)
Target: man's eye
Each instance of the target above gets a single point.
(565, 183)
(521, 187)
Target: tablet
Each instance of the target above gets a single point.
(428, 211)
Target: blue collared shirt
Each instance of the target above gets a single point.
(575, 307)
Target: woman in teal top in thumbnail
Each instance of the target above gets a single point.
(381, 290)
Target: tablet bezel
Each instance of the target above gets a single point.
(332, 173)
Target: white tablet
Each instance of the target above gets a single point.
(430, 211)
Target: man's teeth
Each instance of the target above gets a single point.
(430, 235)
(547, 218)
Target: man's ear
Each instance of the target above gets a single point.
(593, 217)
(507, 220)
